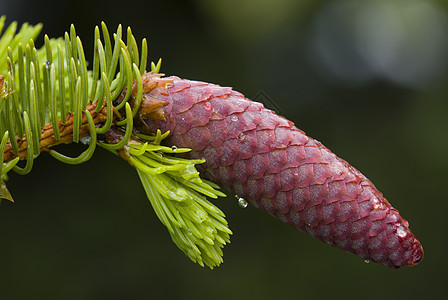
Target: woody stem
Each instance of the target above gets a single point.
(48, 139)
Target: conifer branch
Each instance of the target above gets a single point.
(48, 138)
(48, 97)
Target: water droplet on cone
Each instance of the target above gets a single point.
(401, 232)
(208, 106)
(174, 148)
(242, 203)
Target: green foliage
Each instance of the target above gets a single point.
(176, 191)
(45, 90)
(11, 39)
(49, 83)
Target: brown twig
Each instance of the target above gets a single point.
(48, 139)
(151, 108)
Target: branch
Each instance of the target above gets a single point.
(48, 139)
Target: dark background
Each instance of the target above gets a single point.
(366, 78)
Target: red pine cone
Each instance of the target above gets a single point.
(264, 158)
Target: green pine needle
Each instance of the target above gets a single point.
(177, 194)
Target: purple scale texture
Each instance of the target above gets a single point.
(262, 157)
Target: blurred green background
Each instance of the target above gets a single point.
(366, 78)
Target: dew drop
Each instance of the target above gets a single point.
(48, 65)
(208, 106)
(376, 204)
(241, 202)
(174, 148)
(401, 232)
(234, 118)
(367, 261)
(85, 140)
